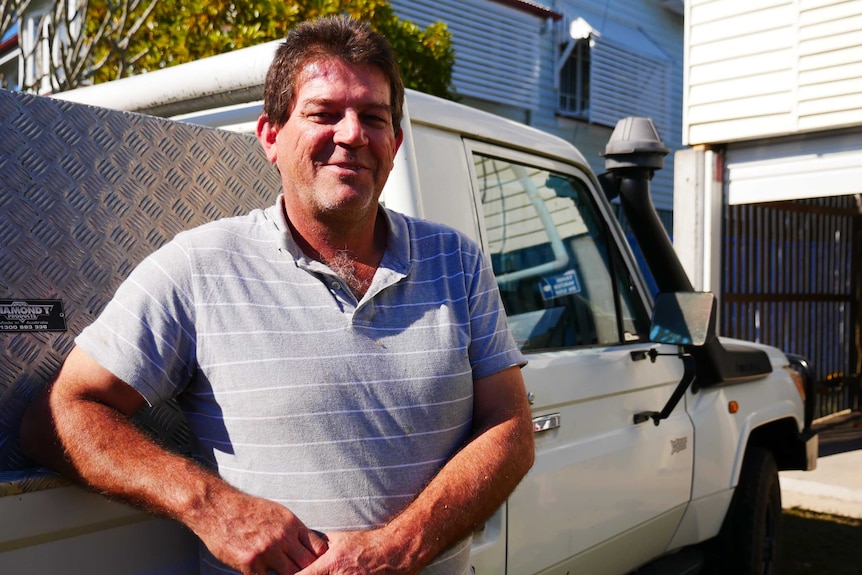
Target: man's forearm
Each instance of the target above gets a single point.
(467, 491)
(81, 426)
(77, 433)
(101, 447)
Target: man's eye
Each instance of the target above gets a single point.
(376, 120)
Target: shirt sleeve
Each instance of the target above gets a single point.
(492, 347)
(145, 335)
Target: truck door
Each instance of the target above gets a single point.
(605, 494)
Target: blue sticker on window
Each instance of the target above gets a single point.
(560, 285)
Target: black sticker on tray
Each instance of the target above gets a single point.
(29, 315)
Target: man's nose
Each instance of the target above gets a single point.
(350, 132)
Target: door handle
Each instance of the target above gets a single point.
(546, 422)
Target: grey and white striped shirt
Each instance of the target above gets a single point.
(294, 391)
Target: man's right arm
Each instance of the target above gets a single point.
(81, 427)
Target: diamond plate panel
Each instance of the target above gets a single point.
(85, 194)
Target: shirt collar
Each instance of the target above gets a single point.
(396, 259)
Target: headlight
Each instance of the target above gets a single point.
(798, 381)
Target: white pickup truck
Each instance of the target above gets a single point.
(658, 444)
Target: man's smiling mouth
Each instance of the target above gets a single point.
(348, 166)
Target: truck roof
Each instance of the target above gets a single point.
(452, 116)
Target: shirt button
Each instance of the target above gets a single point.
(335, 286)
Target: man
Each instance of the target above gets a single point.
(352, 391)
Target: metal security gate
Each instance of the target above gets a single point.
(792, 279)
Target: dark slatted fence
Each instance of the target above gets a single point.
(792, 279)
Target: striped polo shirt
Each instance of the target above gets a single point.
(342, 410)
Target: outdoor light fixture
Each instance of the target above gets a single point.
(580, 29)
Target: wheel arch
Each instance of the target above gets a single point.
(778, 437)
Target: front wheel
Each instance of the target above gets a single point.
(748, 542)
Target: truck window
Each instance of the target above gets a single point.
(561, 278)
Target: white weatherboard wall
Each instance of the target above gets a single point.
(498, 48)
(766, 68)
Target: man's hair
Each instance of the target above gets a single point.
(347, 39)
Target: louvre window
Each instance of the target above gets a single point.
(575, 81)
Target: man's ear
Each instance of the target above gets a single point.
(399, 139)
(266, 134)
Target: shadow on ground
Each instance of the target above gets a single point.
(819, 544)
(822, 544)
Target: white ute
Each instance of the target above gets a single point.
(658, 444)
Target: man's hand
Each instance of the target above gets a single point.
(361, 553)
(256, 536)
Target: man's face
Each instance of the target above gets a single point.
(338, 145)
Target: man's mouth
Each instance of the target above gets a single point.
(349, 166)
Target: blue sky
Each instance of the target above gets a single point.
(10, 32)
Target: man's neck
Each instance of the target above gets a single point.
(353, 256)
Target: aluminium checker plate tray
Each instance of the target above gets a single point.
(85, 194)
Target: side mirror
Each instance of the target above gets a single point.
(683, 318)
(688, 319)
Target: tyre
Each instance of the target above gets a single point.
(748, 542)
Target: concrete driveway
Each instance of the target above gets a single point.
(836, 485)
